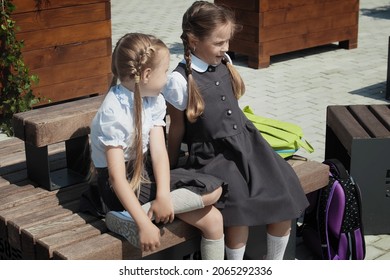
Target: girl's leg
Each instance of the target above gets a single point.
(236, 239)
(209, 221)
(185, 200)
(198, 211)
(278, 235)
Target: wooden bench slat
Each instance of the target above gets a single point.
(172, 234)
(369, 121)
(11, 189)
(54, 198)
(24, 196)
(11, 152)
(4, 182)
(382, 113)
(4, 210)
(10, 144)
(343, 124)
(10, 141)
(101, 247)
(312, 175)
(16, 212)
(29, 235)
(15, 226)
(46, 245)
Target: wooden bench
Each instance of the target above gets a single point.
(272, 27)
(40, 223)
(359, 135)
(69, 123)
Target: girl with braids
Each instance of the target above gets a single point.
(129, 154)
(203, 93)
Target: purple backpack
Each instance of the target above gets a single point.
(332, 225)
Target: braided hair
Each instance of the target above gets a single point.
(199, 21)
(133, 53)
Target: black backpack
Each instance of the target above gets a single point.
(332, 225)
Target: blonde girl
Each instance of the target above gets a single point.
(130, 156)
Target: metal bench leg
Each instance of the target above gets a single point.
(78, 163)
(78, 155)
(37, 162)
(77, 170)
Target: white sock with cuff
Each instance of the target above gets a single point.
(212, 249)
(235, 254)
(276, 246)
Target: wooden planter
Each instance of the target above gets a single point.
(67, 43)
(272, 27)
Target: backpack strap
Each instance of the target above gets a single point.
(336, 167)
(325, 198)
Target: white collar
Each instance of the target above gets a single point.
(199, 65)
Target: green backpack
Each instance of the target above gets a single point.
(285, 138)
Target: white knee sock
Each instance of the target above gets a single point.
(276, 246)
(183, 200)
(212, 249)
(235, 254)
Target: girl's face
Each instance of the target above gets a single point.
(156, 78)
(213, 48)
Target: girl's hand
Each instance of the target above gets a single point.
(162, 210)
(149, 235)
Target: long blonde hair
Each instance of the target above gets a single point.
(133, 53)
(199, 21)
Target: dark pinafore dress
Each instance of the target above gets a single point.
(262, 186)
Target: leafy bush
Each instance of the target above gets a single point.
(16, 93)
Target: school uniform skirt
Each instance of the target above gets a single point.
(179, 178)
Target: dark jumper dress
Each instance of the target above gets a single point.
(262, 186)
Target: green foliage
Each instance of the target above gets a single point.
(16, 94)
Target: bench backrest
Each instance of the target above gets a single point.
(57, 123)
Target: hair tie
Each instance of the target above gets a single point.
(137, 78)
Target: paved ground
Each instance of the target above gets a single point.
(298, 86)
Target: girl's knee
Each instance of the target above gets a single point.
(212, 224)
(211, 198)
(282, 228)
(236, 236)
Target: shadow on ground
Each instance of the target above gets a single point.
(379, 12)
(375, 91)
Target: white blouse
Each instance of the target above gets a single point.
(113, 123)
